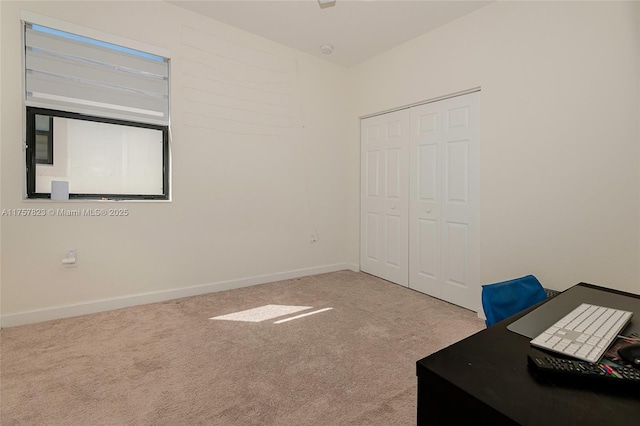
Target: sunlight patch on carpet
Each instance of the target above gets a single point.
(302, 315)
(262, 313)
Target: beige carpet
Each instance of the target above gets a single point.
(169, 364)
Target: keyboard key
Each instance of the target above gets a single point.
(593, 340)
(554, 340)
(584, 338)
(585, 350)
(572, 348)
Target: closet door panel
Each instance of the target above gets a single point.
(460, 262)
(443, 199)
(384, 196)
(425, 198)
(427, 259)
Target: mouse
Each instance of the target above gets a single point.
(631, 354)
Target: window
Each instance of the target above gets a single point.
(43, 139)
(97, 117)
(104, 157)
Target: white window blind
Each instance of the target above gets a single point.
(72, 73)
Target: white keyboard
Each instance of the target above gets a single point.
(585, 333)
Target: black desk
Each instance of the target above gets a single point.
(484, 380)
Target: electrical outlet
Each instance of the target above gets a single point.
(313, 238)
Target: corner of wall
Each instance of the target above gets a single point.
(1, 204)
(637, 5)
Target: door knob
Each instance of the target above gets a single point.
(393, 207)
(428, 210)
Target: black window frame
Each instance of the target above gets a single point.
(31, 155)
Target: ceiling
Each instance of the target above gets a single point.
(357, 29)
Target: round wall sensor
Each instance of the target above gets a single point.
(327, 49)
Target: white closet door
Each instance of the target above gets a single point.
(425, 238)
(443, 225)
(385, 196)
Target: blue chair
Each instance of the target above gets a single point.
(503, 299)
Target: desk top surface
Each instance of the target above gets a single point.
(491, 366)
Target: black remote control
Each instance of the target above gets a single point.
(584, 370)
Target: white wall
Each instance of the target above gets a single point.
(250, 184)
(559, 132)
(559, 155)
(1, 204)
(638, 74)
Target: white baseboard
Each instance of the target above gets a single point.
(92, 307)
